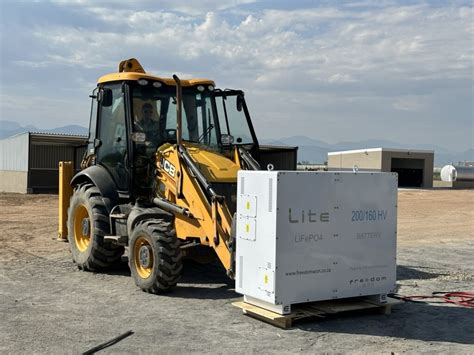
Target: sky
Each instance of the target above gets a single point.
(330, 70)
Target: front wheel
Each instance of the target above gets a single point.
(155, 256)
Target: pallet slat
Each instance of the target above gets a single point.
(314, 310)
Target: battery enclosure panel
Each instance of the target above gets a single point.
(315, 235)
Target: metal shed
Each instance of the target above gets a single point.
(281, 157)
(414, 167)
(29, 161)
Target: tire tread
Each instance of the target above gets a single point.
(169, 264)
(102, 255)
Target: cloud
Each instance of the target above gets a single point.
(189, 7)
(366, 59)
(410, 103)
(327, 43)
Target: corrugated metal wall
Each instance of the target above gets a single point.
(14, 153)
(44, 159)
(43, 156)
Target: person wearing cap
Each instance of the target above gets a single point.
(145, 122)
(144, 149)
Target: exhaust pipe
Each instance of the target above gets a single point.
(179, 105)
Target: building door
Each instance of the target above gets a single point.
(410, 171)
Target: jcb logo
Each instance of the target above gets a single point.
(168, 167)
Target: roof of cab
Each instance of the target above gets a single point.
(131, 69)
(135, 76)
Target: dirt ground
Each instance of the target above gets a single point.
(48, 306)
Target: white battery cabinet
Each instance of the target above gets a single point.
(313, 236)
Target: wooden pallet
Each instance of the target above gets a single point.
(315, 310)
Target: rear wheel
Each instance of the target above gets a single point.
(155, 256)
(87, 225)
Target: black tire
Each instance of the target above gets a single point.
(160, 269)
(88, 249)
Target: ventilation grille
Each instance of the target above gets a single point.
(270, 195)
(241, 270)
(242, 186)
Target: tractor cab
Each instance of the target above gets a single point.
(133, 114)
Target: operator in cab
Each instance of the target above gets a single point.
(146, 124)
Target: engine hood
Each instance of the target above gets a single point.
(213, 165)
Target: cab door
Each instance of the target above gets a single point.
(112, 150)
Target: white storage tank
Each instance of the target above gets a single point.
(311, 236)
(452, 173)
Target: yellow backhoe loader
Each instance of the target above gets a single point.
(159, 176)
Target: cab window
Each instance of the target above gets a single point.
(113, 137)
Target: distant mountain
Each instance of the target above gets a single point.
(10, 128)
(310, 150)
(315, 151)
(467, 155)
(297, 141)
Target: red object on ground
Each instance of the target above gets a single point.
(464, 299)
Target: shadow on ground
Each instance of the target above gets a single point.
(197, 273)
(199, 281)
(193, 272)
(416, 321)
(204, 281)
(410, 272)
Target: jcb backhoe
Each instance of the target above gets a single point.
(159, 176)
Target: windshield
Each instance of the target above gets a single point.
(232, 115)
(209, 118)
(154, 114)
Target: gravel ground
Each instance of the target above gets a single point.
(48, 306)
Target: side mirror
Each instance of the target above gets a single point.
(105, 97)
(239, 102)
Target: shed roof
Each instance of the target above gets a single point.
(37, 136)
(368, 150)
